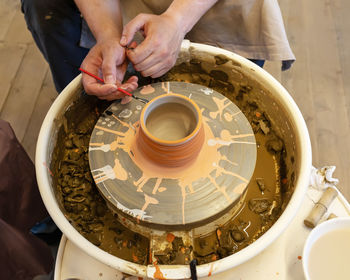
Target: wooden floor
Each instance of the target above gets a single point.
(319, 81)
(27, 90)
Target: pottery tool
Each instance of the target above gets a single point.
(119, 89)
(143, 100)
(320, 207)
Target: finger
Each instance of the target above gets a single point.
(153, 70)
(113, 96)
(147, 63)
(142, 51)
(126, 99)
(131, 28)
(160, 73)
(128, 87)
(111, 59)
(132, 79)
(91, 85)
(100, 90)
(159, 69)
(91, 64)
(88, 80)
(121, 72)
(131, 84)
(132, 45)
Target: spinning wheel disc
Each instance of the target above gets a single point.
(165, 196)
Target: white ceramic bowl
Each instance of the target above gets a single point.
(327, 227)
(273, 98)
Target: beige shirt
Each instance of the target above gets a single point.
(251, 28)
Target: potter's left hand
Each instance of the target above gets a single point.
(107, 58)
(159, 50)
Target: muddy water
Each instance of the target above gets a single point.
(88, 213)
(260, 209)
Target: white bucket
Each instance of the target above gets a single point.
(273, 98)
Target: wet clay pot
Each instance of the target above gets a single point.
(174, 147)
(229, 69)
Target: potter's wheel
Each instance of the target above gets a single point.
(181, 197)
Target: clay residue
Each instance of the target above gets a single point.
(148, 89)
(258, 213)
(80, 201)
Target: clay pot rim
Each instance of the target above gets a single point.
(171, 142)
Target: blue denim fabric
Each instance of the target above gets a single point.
(258, 62)
(56, 27)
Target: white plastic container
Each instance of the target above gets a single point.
(327, 251)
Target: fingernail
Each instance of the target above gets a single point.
(123, 40)
(110, 79)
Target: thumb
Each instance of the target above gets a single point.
(111, 59)
(109, 69)
(109, 73)
(131, 28)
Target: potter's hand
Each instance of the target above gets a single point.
(107, 59)
(158, 52)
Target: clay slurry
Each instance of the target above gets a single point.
(171, 121)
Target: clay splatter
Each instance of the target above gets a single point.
(210, 164)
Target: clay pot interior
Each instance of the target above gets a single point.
(170, 118)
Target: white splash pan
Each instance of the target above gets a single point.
(46, 142)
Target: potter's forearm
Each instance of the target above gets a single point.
(103, 17)
(187, 12)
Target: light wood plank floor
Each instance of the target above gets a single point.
(319, 81)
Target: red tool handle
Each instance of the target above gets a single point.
(101, 80)
(92, 75)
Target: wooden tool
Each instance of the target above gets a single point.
(320, 207)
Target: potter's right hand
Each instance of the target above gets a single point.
(159, 50)
(107, 60)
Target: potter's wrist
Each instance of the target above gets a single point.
(186, 13)
(110, 35)
(103, 18)
(178, 20)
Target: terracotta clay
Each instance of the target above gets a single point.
(176, 118)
